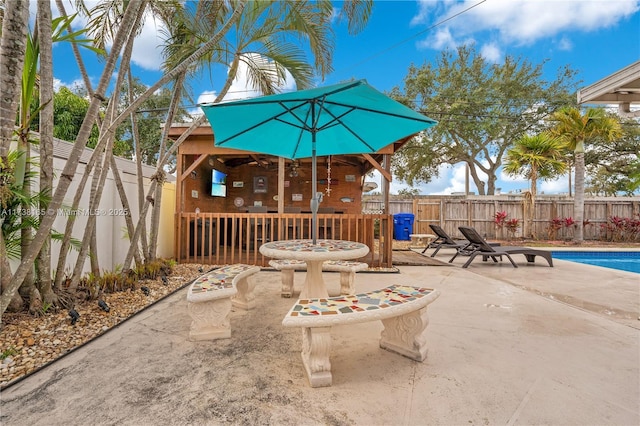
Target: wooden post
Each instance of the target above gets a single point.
(177, 243)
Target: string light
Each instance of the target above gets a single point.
(329, 177)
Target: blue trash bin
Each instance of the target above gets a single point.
(402, 226)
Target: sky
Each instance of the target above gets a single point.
(594, 37)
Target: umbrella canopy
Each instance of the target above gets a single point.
(349, 118)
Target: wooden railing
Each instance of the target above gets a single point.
(225, 238)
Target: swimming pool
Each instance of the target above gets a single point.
(622, 260)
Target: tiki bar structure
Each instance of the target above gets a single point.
(229, 201)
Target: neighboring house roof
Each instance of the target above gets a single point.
(621, 87)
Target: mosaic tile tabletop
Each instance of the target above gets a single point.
(375, 303)
(322, 250)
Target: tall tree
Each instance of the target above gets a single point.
(481, 108)
(612, 165)
(536, 157)
(12, 52)
(101, 170)
(577, 130)
(68, 172)
(264, 39)
(45, 42)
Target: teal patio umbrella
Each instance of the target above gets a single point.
(348, 118)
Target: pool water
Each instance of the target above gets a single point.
(621, 260)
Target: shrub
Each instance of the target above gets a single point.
(555, 225)
(500, 219)
(621, 229)
(512, 226)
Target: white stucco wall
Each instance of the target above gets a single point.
(111, 231)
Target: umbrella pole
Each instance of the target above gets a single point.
(314, 190)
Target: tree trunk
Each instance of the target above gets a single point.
(167, 77)
(145, 207)
(89, 243)
(125, 205)
(66, 241)
(12, 53)
(94, 260)
(100, 173)
(97, 183)
(534, 194)
(26, 233)
(476, 179)
(491, 183)
(65, 245)
(43, 262)
(157, 205)
(139, 176)
(578, 203)
(68, 172)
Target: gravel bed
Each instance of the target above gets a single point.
(28, 342)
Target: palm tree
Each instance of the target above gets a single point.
(70, 167)
(45, 45)
(578, 129)
(12, 52)
(260, 40)
(536, 157)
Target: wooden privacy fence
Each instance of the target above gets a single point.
(450, 212)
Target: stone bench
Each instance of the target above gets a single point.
(402, 310)
(210, 297)
(346, 268)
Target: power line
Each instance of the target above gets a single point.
(419, 33)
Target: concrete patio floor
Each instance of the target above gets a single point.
(532, 345)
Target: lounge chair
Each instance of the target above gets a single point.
(479, 247)
(443, 241)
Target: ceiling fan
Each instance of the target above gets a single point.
(294, 169)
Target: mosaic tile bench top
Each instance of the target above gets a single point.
(322, 250)
(341, 265)
(329, 265)
(379, 304)
(220, 281)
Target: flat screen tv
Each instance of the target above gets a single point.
(218, 183)
(218, 190)
(218, 177)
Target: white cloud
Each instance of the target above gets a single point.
(565, 44)
(513, 179)
(442, 39)
(57, 84)
(74, 86)
(425, 10)
(457, 181)
(241, 87)
(147, 48)
(558, 186)
(452, 180)
(491, 52)
(525, 21)
(208, 96)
